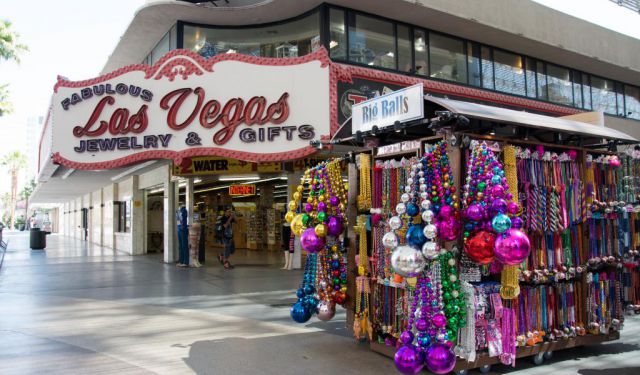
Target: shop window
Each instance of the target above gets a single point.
(337, 35)
(291, 39)
(487, 68)
(559, 86)
(122, 215)
(508, 72)
(619, 98)
(541, 79)
(421, 52)
(473, 64)
(447, 58)
(161, 49)
(632, 101)
(586, 92)
(371, 41)
(577, 89)
(404, 48)
(603, 95)
(530, 76)
(173, 38)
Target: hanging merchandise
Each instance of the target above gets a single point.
(428, 212)
(320, 228)
(364, 198)
(489, 210)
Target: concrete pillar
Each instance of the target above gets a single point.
(138, 232)
(170, 230)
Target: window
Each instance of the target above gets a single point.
(541, 77)
(291, 39)
(337, 35)
(632, 101)
(577, 89)
(421, 52)
(447, 57)
(122, 215)
(509, 72)
(586, 91)
(404, 49)
(173, 38)
(603, 95)
(620, 98)
(371, 41)
(487, 68)
(161, 49)
(559, 87)
(473, 64)
(530, 73)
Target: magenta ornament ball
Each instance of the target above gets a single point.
(512, 247)
(310, 242)
(448, 229)
(440, 359)
(308, 207)
(512, 208)
(408, 360)
(439, 320)
(446, 213)
(497, 191)
(334, 226)
(474, 212)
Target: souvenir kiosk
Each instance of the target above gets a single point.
(476, 235)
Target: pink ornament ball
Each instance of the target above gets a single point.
(512, 247)
(512, 208)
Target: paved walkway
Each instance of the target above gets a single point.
(79, 309)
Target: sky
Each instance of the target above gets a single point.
(73, 38)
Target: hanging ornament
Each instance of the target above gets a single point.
(440, 359)
(407, 261)
(480, 248)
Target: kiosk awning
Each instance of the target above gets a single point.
(531, 120)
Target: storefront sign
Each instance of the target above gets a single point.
(211, 165)
(398, 147)
(402, 105)
(358, 90)
(235, 190)
(237, 106)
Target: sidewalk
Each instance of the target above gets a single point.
(79, 309)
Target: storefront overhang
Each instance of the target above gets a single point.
(476, 117)
(530, 120)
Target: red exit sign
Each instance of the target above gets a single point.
(242, 190)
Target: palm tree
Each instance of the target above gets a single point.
(10, 49)
(14, 161)
(25, 193)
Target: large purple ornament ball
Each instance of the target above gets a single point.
(408, 360)
(474, 212)
(440, 359)
(310, 242)
(334, 226)
(498, 206)
(513, 247)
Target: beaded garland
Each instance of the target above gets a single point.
(319, 228)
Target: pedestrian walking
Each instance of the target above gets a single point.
(228, 221)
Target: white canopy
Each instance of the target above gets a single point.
(532, 120)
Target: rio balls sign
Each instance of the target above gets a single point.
(236, 106)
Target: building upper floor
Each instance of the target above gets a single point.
(516, 47)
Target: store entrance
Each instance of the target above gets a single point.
(257, 203)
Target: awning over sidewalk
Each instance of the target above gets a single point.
(532, 120)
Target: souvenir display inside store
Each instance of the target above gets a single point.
(464, 255)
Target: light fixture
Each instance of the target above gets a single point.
(492, 132)
(197, 180)
(238, 178)
(231, 50)
(333, 44)
(390, 54)
(156, 191)
(281, 186)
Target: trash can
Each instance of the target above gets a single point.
(37, 239)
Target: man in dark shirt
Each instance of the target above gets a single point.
(227, 237)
